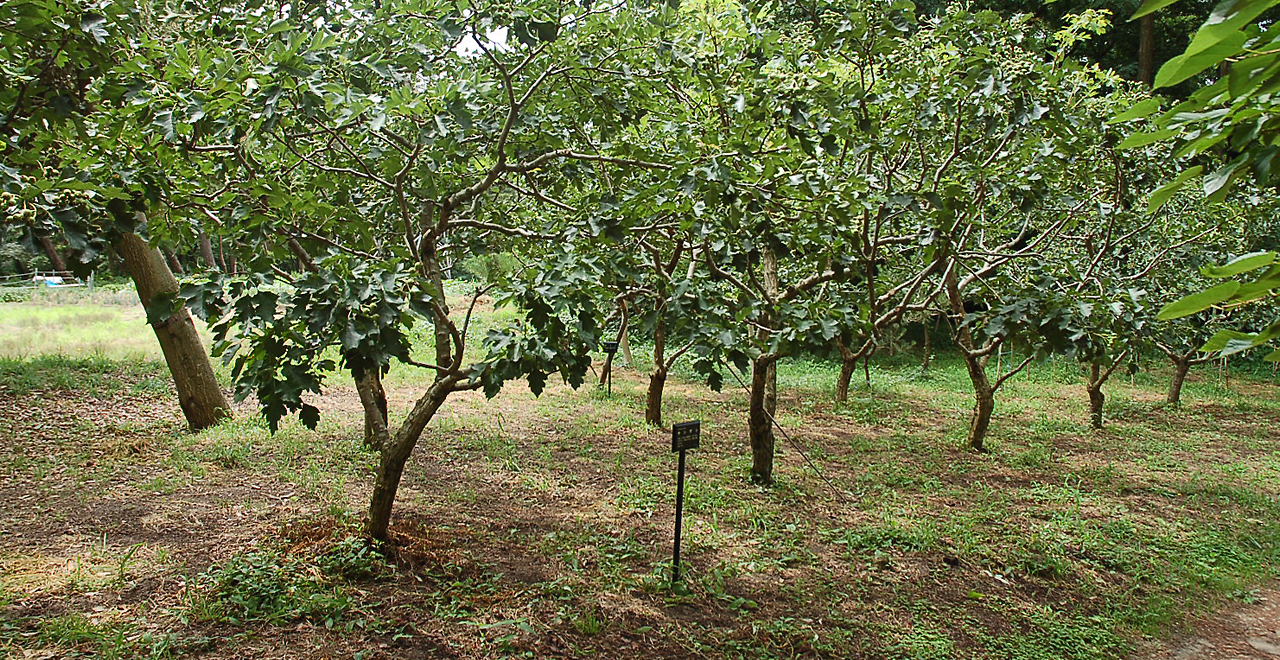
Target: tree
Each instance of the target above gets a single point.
(385, 140)
(57, 134)
(1226, 126)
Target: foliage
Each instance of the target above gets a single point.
(277, 588)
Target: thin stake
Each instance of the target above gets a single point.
(675, 555)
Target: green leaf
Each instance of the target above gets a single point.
(1150, 6)
(1143, 139)
(1221, 338)
(1184, 66)
(1168, 190)
(309, 415)
(1198, 302)
(1138, 111)
(1241, 264)
(1225, 22)
(1273, 356)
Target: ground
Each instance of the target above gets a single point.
(541, 526)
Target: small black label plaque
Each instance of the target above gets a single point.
(611, 347)
(685, 435)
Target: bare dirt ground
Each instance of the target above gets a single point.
(1242, 632)
(534, 527)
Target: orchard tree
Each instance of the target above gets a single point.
(1010, 155)
(65, 174)
(387, 138)
(1225, 126)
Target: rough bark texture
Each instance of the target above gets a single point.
(1147, 49)
(1180, 368)
(760, 424)
(764, 390)
(55, 260)
(206, 251)
(395, 453)
(984, 401)
(369, 387)
(202, 400)
(847, 367)
(653, 402)
(984, 404)
(1096, 401)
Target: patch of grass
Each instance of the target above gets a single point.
(276, 588)
(96, 375)
(78, 635)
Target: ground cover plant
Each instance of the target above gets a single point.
(540, 526)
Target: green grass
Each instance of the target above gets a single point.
(533, 519)
(95, 375)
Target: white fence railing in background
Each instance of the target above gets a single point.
(42, 278)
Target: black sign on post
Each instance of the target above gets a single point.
(684, 436)
(610, 347)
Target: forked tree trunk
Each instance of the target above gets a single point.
(984, 395)
(396, 450)
(56, 261)
(1096, 398)
(653, 402)
(201, 398)
(1098, 377)
(1181, 365)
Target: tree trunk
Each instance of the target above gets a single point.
(206, 251)
(1147, 49)
(1096, 397)
(175, 266)
(395, 453)
(369, 386)
(653, 402)
(924, 364)
(55, 260)
(983, 392)
(1096, 401)
(760, 424)
(847, 367)
(984, 404)
(1180, 368)
(199, 394)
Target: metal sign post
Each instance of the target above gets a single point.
(610, 348)
(684, 436)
